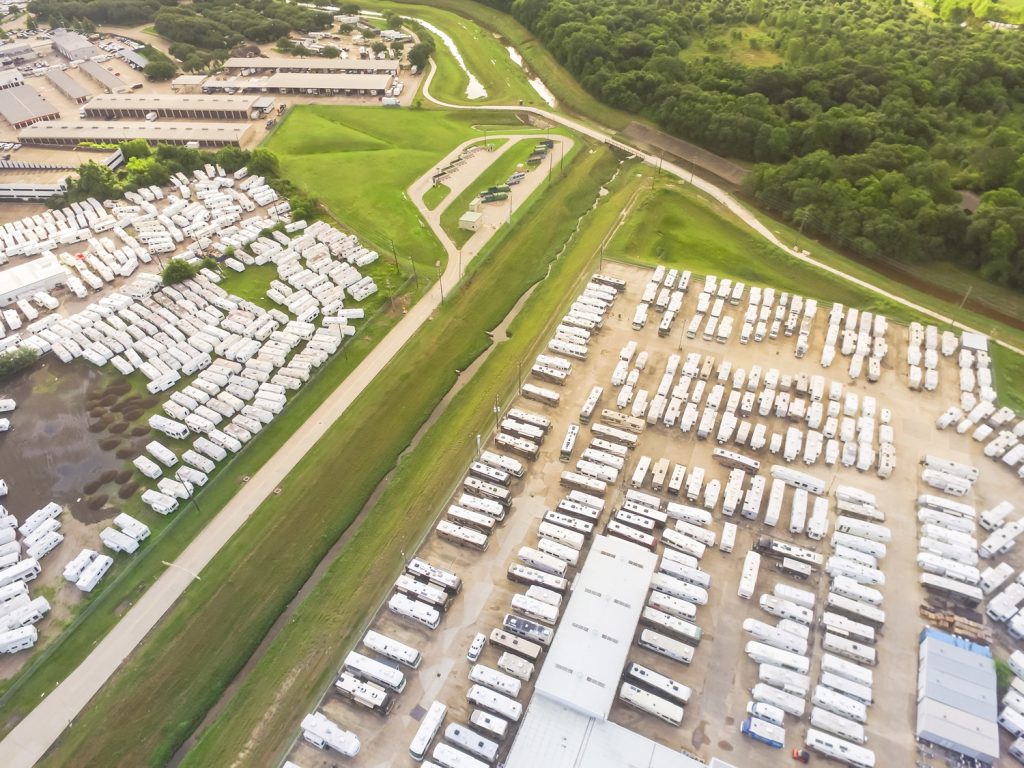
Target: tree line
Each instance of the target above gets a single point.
(873, 120)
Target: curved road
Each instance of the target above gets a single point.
(720, 195)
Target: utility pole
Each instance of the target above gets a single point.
(437, 266)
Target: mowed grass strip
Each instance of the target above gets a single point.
(180, 671)
(360, 160)
(433, 196)
(495, 174)
(263, 716)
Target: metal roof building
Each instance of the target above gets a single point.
(68, 133)
(566, 723)
(67, 85)
(346, 83)
(21, 106)
(956, 696)
(111, 83)
(10, 78)
(73, 46)
(40, 274)
(138, 105)
(283, 64)
(588, 653)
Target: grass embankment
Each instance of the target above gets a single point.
(495, 174)
(433, 196)
(182, 668)
(485, 57)
(360, 160)
(676, 226)
(571, 96)
(331, 619)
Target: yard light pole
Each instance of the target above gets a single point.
(497, 412)
(437, 266)
(188, 490)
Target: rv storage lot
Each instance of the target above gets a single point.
(720, 675)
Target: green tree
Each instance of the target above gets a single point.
(177, 271)
(263, 162)
(159, 71)
(394, 21)
(420, 54)
(15, 360)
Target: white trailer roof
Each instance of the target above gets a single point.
(554, 736)
(594, 636)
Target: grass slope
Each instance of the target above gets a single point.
(308, 650)
(433, 196)
(180, 671)
(360, 160)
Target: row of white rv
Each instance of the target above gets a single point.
(863, 335)
(373, 679)
(1011, 717)
(842, 694)
(212, 222)
(19, 564)
(999, 429)
(840, 429)
(6, 406)
(923, 365)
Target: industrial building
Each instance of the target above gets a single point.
(110, 82)
(956, 696)
(257, 66)
(132, 59)
(21, 106)
(188, 83)
(18, 52)
(69, 134)
(10, 78)
(73, 46)
(67, 85)
(42, 274)
(138, 105)
(566, 723)
(315, 84)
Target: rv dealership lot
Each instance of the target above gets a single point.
(720, 675)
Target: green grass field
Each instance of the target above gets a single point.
(360, 160)
(495, 174)
(179, 672)
(433, 196)
(1009, 11)
(332, 617)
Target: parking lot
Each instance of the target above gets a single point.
(721, 675)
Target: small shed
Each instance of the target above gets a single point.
(471, 221)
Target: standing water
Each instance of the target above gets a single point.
(538, 85)
(475, 89)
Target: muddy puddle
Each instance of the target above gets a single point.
(50, 454)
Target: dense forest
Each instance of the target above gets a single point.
(866, 119)
(202, 32)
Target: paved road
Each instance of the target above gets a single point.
(735, 207)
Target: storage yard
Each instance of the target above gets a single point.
(816, 583)
(222, 367)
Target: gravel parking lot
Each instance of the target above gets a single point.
(721, 675)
